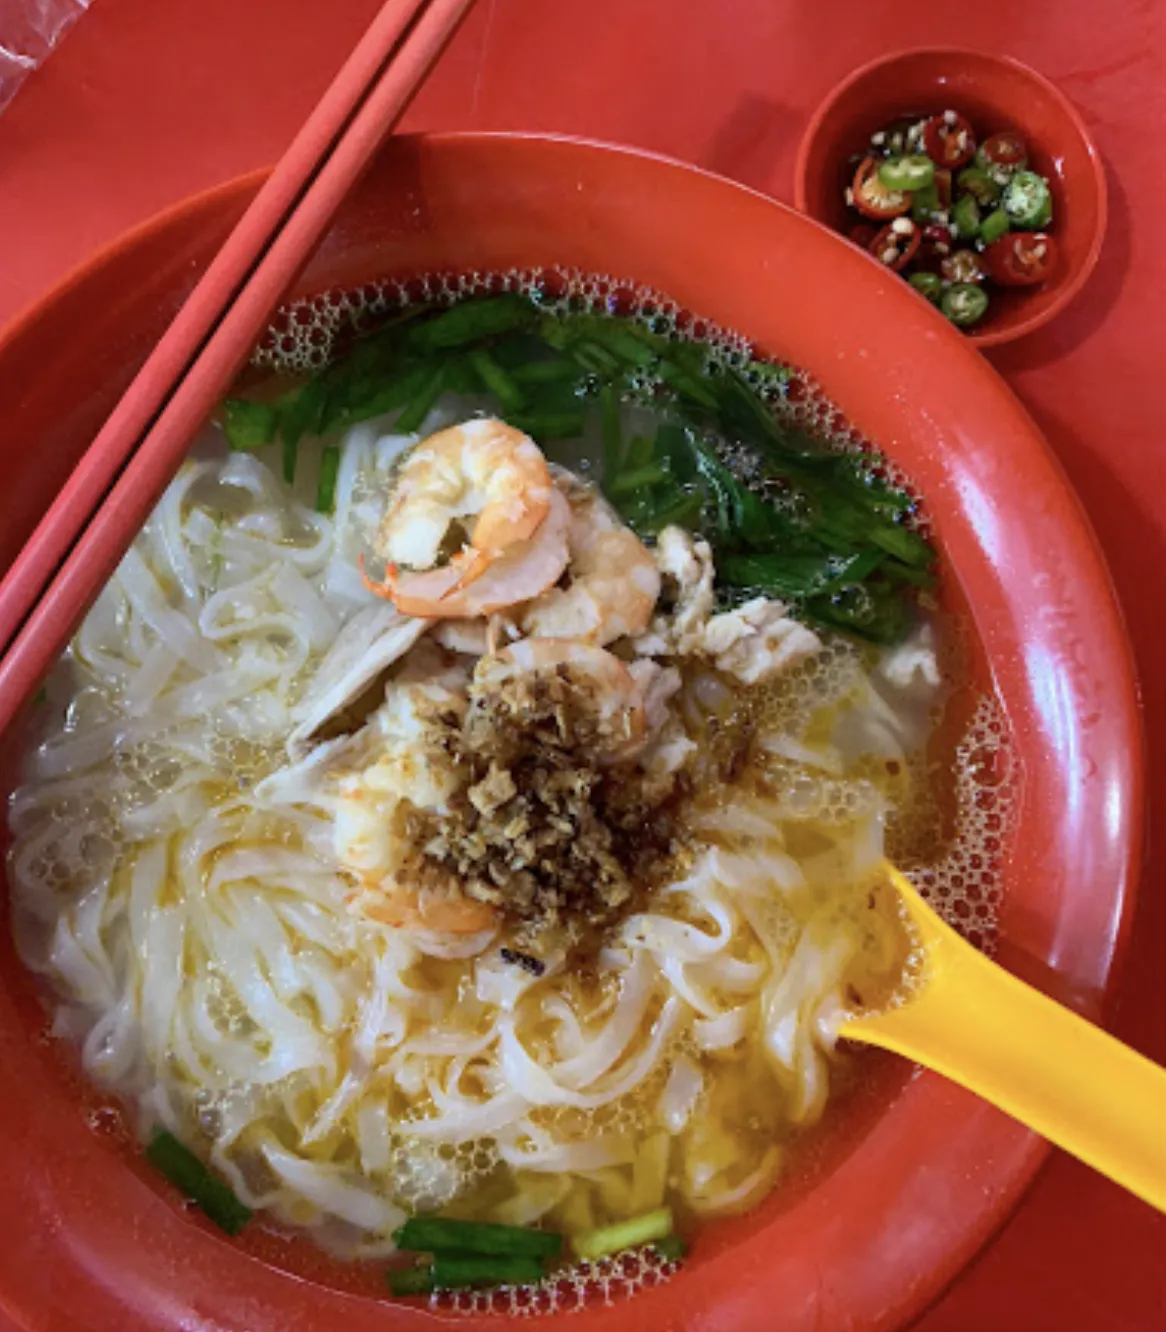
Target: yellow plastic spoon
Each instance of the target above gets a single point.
(972, 1021)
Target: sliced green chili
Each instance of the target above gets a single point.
(964, 304)
(914, 172)
(1028, 201)
(925, 205)
(994, 226)
(966, 216)
(974, 180)
(930, 284)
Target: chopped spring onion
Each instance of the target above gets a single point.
(188, 1174)
(326, 488)
(439, 1234)
(646, 1229)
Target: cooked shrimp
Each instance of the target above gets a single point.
(483, 476)
(526, 569)
(614, 579)
(443, 908)
(603, 691)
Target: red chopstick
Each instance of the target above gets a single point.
(111, 492)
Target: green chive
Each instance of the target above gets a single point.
(248, 425)
(671, 1248)
(638, 479)
(188, 1174)
(290, 449)
(471, 321)
(495, 380)
(640, 451)
(422, 404)
(545, 372)
(440, 1234)
(782, 575)
(411, 1280)
(684, 513)
(612, 438)
(401, 389)
(628, 1234)
(550, 425)
(456, 1271)
(326, 489)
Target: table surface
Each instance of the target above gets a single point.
(146, 102)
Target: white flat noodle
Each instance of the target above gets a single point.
(329, 1190)
(188, 903)
(368, 644)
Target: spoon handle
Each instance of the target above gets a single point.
(978, 1025)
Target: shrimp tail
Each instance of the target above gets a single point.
(383, 589)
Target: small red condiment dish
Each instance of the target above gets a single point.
(994, 93)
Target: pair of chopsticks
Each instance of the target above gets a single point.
(79, 542)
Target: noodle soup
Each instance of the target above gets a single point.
(469, 796)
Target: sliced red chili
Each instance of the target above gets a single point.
(1020, 259)
(1006, 150)
(894, 248)
(943, 187)
(948, 140)
(872, 198)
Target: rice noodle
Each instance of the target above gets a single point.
(337, 1071)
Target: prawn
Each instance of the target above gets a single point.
(444, 909)
(525, 570)
(483, 476)
(614, 580)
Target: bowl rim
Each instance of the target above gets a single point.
(1030, 1153)
(1065, 291)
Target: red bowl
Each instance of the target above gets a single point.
(921, 1173)
(994, 93)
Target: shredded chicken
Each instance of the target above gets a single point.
(758, 640)
(753, 643)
